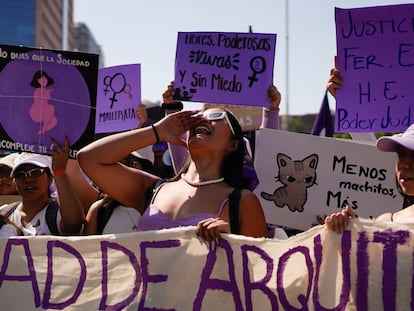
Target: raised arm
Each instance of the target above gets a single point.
(178, 153)
(270, 116)
(100, 159)
(85, 191)
(335, 80)
(71, 209)
(141, 114)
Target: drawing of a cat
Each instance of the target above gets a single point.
(296, 177)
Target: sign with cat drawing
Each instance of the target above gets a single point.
(320, 176)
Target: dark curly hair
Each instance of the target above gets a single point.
(232, 166)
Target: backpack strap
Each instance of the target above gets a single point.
(51, 217)
(149, 193)
(105, 212)
(6, 217)
(13, 207)
(3, 221)
(234, 200)
(6, 221)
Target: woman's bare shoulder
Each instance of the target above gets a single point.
(249, 199)
(385, 217)
(251, 214)
(246, 193)
(405, 216)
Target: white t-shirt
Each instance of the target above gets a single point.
(123, 220)
(8, 230)
(37, 226)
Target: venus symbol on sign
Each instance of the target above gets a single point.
(258, 66)
(116, 83)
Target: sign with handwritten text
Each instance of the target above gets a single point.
(375, 55)
(119, 94)
(224, 68)
(368, 267)
(320, 176)
(46, 94)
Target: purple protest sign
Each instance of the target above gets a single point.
(46, 94)
(375, 54)
(119, 93)
(224, 68)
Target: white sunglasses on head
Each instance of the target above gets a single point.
(34, 172)
(219, 115)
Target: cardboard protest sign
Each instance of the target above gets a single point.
(46, 94)
(224, 68)
(119, 94)
(9, 198)
(362, 269)
(249, 117)
(319, 176)
(375, 57)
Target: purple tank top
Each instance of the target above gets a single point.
(154, 219)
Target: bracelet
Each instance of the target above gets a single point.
(156, 133)
(173, 106)
(61, 171)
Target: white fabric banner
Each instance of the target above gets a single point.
(369, 267)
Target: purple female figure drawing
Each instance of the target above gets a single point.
(41, 111)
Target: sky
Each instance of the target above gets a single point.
(145, 32)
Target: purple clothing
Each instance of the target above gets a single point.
(270, 119)
(154, 219)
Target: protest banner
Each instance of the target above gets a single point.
(119, 94)
(224, 68)
(46, 94)
(302, 176)
(368, 267)
(249, 117)
(375, 57)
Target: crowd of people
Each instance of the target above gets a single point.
(113, 188)
(48, 205)
(133, 192)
